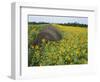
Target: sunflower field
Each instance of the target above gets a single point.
(71, 49)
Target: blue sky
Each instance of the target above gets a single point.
(58, 19)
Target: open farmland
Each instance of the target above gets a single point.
(71, 49)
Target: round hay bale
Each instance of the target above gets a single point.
(49, 34)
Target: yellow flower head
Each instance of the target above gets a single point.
(36, 47)
(43, 40)
(32, 46)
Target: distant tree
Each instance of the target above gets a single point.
(75, 24)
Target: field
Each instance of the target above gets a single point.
(71, 49)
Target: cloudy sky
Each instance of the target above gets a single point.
(58, 19)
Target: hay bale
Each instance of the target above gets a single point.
(49, 34)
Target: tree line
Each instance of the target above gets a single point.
(75, 24)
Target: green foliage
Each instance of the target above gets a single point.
(72, 49)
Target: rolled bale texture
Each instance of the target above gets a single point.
(49, 34)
